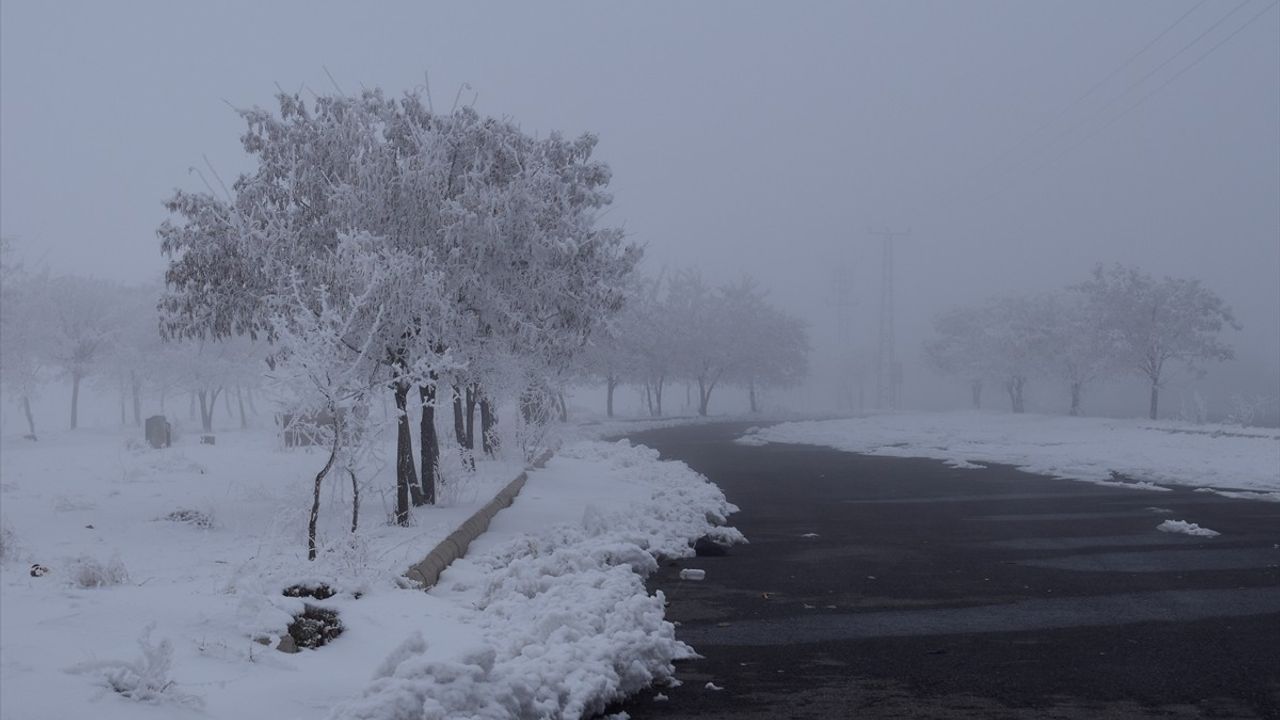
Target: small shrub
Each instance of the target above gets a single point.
(315, 627)
(319, 591)
(147, 679)
(8, 543)
(195, 518)
(87, 572)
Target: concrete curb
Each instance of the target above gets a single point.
(426, 572)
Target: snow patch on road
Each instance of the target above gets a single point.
(1186, 528)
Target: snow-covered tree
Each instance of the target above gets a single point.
(1150, 323)
(1077, 350)
(772, 346)
(25, 337)
(1006, 339)
(329, 355)
(508, 221)
(702, 341)
(958, 348)
(83, 316)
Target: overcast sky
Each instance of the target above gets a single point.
(1021, 142)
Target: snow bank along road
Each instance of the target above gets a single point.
(895, 587)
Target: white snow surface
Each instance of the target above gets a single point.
(1238, 462)
(143, 617)
(1186, 528)
(555, 594)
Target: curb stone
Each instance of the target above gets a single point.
(426, 572)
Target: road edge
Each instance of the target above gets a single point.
(426, 572)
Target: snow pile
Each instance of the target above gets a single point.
(556, 591)
(1128, 453)
(1186, 528)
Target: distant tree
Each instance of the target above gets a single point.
(1077, 350)
(1150, 323)
(705, 352)
(24, 332)
(84, 321)
(959, 348)
(1006, 339)
(772, 345)
(1020, 341)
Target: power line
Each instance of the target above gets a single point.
(1162, 86)
(1094, 88)
(1127, 90)
(1131, 86)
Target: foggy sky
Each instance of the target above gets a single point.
(744, 138)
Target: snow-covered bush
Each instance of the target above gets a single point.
(1248, 409)
(194, 518)
(147, 679)
(89, 572)
(8, 542)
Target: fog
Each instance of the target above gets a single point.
(1020, 144)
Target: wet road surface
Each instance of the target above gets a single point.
(879, 587)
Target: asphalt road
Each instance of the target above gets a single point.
(881, 587)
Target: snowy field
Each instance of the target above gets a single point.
(1243, 462)
(165, 565)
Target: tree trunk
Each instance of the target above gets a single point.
(751, 393)
(609, 384)
(406, 473)
(315, 492)
(31, 422)
(355, 500)
(657, 396)
(704, 396)
(648, 398)
(226, 402)
(208, 404)
(430, 444)
(975, 391)
(136, 383)
(191, 407)
(204, 405)
(75, 399)
(244, 421)
(459, 424)
(460, 429)
(488, 426)
(1013, 386)
(123, 420)
(254, 410)
(564, 407)
(472, 391)
(1076, 389)
(1155, 400)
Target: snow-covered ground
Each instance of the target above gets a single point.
(1233, 461)
(554, 594)
(550, 598)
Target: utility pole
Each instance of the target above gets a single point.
(888, 371)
